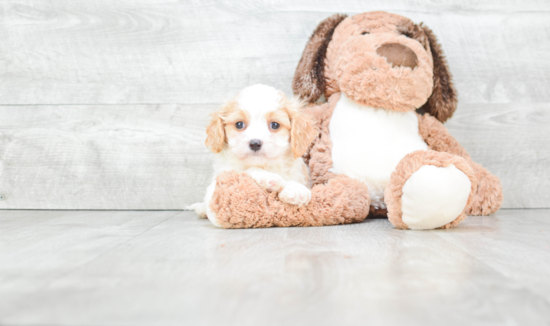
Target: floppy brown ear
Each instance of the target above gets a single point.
(302, 133)
(215, 132)
(309, 78)
(302, 128)
(442, 103)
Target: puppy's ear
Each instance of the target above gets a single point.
(215, 132)
(302, 128)
(442, 103)
(309, 78)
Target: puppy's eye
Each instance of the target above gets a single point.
(407, 34)
(365, 33)
(275, 125)
(239, 125)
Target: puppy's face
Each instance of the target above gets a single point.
(259, 126)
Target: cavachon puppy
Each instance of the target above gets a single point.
(263, 134)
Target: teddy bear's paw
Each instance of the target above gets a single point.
(295, 193)
(434, 196)
(199, 208)
(267, 180)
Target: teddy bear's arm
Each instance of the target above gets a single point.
(318, 157)
(488, 197)
(438, 137)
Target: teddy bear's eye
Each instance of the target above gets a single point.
(407, 34)
(365, 33)
(239, 125)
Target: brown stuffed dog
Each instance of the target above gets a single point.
(375, 69)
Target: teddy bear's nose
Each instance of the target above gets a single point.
(398, 55)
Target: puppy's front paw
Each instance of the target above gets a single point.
(295, 193)
(269, 181)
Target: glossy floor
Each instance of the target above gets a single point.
(171, 268)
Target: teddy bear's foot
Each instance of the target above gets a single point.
(488, 197)
(434, 196)
(429, 190)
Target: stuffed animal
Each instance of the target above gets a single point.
(389, 90)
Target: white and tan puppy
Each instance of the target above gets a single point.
(263, 134)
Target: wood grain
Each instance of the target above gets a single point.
(513, 142)
(162, 268)
(153, 157)
(105, 52)
(103, 104)
(103, 157)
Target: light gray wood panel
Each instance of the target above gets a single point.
(103, 157)
(189, 56)
(147, 268)
(89, 52)
(153, 157)
(513, 142)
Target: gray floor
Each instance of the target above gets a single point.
(170, 268)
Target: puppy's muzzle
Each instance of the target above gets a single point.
(398, 55)
(255, 145)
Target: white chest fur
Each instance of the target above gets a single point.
(368, 143)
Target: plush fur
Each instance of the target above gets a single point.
(310, 78)
(387, 135)
(382, 27)
(380, 61)
(240, 203)
(410, 164)
(488, 195)
(442, 103)
(368, 78)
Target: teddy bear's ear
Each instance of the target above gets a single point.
(309, 79)
(442, 102)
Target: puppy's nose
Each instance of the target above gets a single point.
(398, 55)
(255, 145)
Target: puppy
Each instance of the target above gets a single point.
(263, 134)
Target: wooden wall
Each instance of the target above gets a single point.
(103, 103)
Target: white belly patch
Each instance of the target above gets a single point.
(368, 143)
